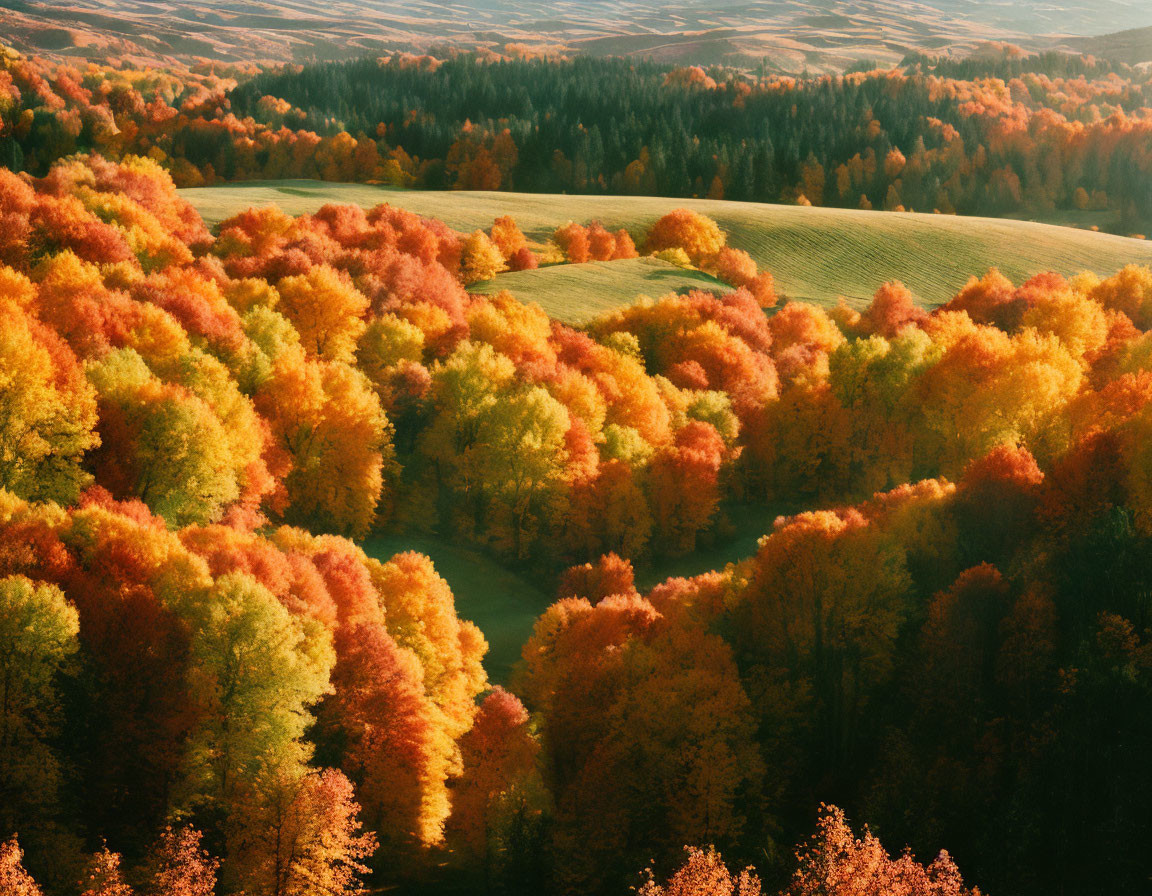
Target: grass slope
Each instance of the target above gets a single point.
(578, 293)
(734, 538)
(816, 254)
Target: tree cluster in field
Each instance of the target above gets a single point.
(206, 685)
(987, 135)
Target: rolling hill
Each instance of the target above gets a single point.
(780, 35)
(816, 254)
(1132, 47)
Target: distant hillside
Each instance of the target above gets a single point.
(816, 254)
(1131, 47)
(780, 35)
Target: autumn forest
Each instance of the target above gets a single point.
(933, 677)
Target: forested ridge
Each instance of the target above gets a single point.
(208, 687)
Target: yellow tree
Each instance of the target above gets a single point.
(420, 612)
(255, 672)
(334, 439)
(1129, 290)
(519, 458)
(698, 235)
(307, 839)
(990, 388)
(162, 444)
(465, 387)
(481, 258)
(326, 310)
(47, 409)
(870, 377)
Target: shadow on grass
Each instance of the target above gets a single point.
(505, 603)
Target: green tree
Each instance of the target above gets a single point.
(519, 461)
(47, 410)
(255, 672)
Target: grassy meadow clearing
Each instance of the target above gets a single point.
(505, 603)
(578, 293)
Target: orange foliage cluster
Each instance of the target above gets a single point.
(181, 393)
(593, 243)
(833, 863)
(173, 392)
(1027, 409)
(909, 394)
(50, 111)
(316, 370)
(705, 245)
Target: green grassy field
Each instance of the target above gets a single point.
(816, 254)
(506, 604)
(577, 293)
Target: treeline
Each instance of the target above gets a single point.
(981, 144)
(993, 135)
(955, 652)
(1006, 62)
(51, 111)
